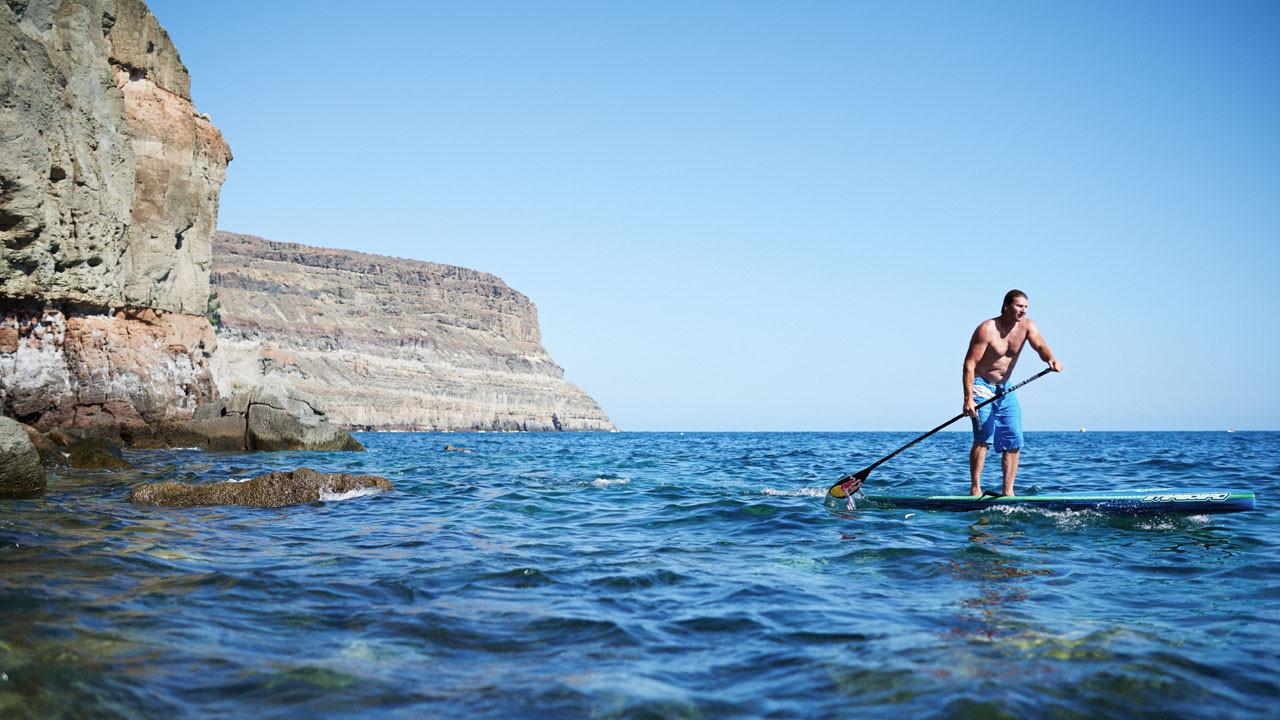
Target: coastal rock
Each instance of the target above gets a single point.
(269, 419)
(87, 449)
(132, 375)
(97, 454)
(109, 184)
(274, 489)
(50, 454)
(386, 343)
(110, 176)
(21, 474)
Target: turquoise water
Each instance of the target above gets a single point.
(648, 575)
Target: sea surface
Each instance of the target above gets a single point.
(649, 575)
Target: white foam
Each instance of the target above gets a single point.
(802, 492)
(603, 481)
(327, 496)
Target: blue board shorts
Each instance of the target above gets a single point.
(1000, 421)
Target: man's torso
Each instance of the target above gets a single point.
(1001, 349)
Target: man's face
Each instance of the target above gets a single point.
(1017, 309)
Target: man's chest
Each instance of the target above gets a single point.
(1008, 344)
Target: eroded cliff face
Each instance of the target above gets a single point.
(109, 183)
(138, 374)
(389, 343)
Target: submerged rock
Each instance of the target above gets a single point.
(21, 474)
(97, 454)
(270, 419)
(87, 449)
(51, 454)
(274, 489)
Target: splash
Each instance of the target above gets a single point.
(327, 496)
(802, 492)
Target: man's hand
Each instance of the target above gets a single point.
(1055, 366)
(970, 407)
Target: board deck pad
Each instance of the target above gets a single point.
(1134, 502)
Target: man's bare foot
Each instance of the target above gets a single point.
(976, 492)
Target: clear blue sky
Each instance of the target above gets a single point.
(791, 216)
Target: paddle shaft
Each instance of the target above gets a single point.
(867, 470)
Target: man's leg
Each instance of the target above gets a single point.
(1009, 464)
(977, 456)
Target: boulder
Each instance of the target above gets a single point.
(87, 449)
(21, 474)
(97, 454)
(269, 419)
(50, 454)
(274, 489)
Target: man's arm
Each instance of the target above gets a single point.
(1041, 347)
(977, 346)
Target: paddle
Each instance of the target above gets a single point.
(849, 484)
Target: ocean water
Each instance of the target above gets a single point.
(639, 575)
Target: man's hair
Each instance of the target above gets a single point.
(1011, 296)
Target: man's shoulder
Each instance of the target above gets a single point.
(986, 327)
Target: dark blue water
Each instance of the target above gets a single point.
(648, 575)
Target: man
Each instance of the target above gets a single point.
(993, 352)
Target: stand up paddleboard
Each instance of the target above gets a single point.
(1125, 502)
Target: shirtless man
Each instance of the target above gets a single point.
(993, 351)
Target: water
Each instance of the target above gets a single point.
(648, 575)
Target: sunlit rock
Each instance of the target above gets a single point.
(274, 489)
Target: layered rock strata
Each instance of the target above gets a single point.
(389, 344)
(109, 183)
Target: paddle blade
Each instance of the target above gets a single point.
(848, 484)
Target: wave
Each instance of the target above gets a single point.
(327, 496)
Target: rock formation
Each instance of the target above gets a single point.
(274, 489)
(270, 420)
(51, 455)
(132, 374)
(109, 183)
(389, 343)
(87, 449)
(21, 474)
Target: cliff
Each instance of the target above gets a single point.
(109, 183)
(389, 343)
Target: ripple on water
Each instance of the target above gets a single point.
(639, 575)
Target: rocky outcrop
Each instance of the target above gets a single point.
(275, 489)
(51, 455)
(21, 474)
(269, 419)
(109, 178)
(389, 343)
(86, 449)
(109, 183)
(135, 375)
